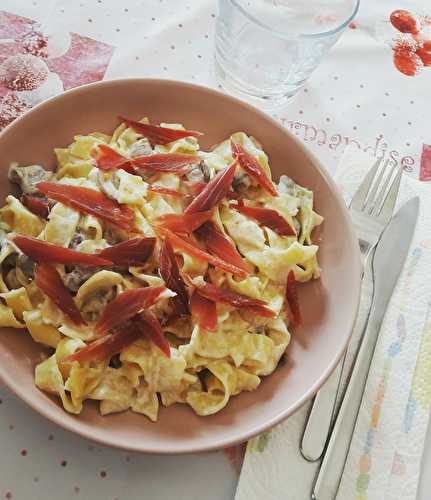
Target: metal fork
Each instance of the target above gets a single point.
(371, 209)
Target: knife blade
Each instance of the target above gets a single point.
(388, 263)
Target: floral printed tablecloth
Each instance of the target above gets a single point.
(371, 92)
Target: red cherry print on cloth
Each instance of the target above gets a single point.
(404, 22)
(424, 52)
(405, 59)
(46, 44)
(38, 62)
(35, 43)
(23, 72)
(10, 108)
(411, 50)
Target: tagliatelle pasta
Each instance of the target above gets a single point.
(212, 225)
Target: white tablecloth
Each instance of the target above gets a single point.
(357, 96)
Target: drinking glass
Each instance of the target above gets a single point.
(265, 50)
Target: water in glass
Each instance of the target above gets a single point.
(266, 49)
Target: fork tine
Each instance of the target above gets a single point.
(359, 197)
(377, 186)
(383, 190)
(387, 208)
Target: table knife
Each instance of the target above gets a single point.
(388, 263)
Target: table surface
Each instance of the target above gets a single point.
(357, 96)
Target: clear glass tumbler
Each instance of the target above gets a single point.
(265, 50)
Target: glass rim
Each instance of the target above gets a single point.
(302, 35)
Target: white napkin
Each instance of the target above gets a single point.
(384, 459)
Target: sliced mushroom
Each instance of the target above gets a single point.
(11, 280)
(241, 182)
(95, 303)
(141, 147)
(199, 173)
(16, 268)
(88, 228)
(77, 277)
(115, 362)
(96, 292)
(108, 183)
(286, 186)
(28, 177)
(24, 269)
(9, 271)
(77, 239)
(6, 251)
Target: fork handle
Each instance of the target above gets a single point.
(323, 409)
(320, 418)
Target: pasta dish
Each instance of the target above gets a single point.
(154, 272)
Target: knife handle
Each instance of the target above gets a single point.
(329, 476)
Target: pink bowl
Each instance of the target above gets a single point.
(329, 305)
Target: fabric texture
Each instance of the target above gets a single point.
(357, 97)
(384, 458)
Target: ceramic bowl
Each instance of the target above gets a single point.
(329, 305)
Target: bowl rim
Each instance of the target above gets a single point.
(252, 431)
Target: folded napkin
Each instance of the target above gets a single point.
(384, 459)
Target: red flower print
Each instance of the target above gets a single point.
(36, 65)
(411, 49)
